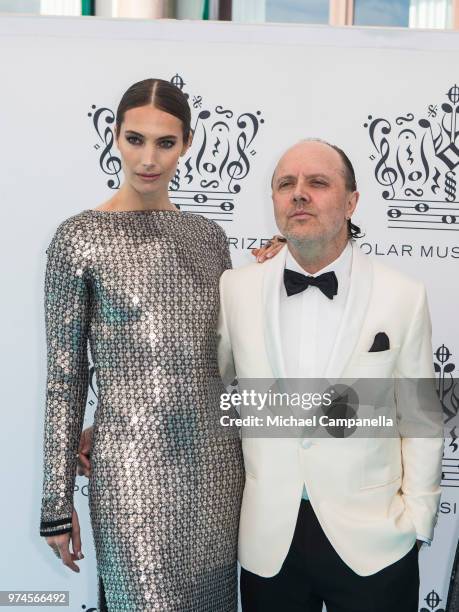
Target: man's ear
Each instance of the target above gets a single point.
(352, 203)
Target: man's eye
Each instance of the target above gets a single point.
(134, 140)
(319, 183)
(285, 184)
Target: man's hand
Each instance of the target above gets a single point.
(271, 248)
(84, 453)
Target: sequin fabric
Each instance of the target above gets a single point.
(166, 485)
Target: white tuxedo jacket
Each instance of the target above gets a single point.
(371, 496)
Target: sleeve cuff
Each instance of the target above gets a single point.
(52, 528)
(424, 540)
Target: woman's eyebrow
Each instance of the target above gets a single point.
(134, 133)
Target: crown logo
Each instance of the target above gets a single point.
(211, 174)
(416, 164)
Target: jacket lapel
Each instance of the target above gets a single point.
(360, 288)
(272, 284)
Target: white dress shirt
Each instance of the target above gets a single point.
(309, 321)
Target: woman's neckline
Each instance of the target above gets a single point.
(124, 212)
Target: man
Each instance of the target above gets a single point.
(324, 520)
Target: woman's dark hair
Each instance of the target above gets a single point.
(353, 231)
(162, 95)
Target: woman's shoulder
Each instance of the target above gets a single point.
(72, 230)
(77, 221)
(207, 227)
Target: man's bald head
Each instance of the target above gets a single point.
(346, 166)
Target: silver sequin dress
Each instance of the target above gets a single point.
(166, 484)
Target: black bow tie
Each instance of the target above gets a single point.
(296, 283)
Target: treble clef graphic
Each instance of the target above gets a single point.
(237, 170)
(110, 164)
(385, 175)
(381, 124)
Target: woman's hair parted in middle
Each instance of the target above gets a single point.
(162, 95)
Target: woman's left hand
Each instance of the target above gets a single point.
(270, 249)
(61, 545)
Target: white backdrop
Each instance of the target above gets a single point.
(386, 96)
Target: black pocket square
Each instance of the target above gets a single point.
(380, 343)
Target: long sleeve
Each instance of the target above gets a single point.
(420, 423)
(67, 316)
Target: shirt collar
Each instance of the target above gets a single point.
(341, 266)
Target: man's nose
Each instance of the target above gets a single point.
(300, 196)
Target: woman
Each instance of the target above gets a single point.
(139, 280)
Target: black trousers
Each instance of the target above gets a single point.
(313, 574)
